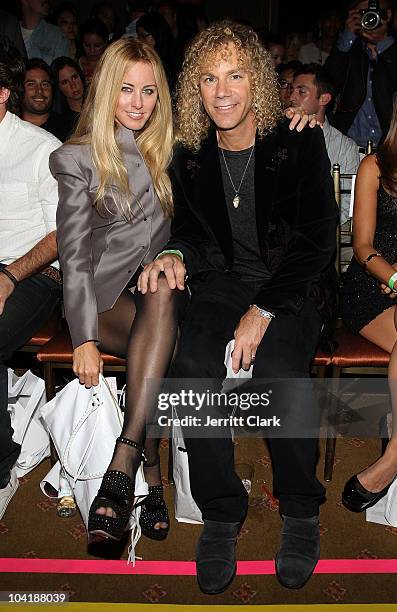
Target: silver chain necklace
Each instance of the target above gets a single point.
(236, 199)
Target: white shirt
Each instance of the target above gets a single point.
(343, 151)
(131, 29)
(26, 34)
(310, 53)
(28, 191)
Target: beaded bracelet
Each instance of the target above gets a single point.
(10, 276)
(368, 259)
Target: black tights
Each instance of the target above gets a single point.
(142, 329)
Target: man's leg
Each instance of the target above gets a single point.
(9, 450)
(286, 352)
(25, 311)
(216, 307)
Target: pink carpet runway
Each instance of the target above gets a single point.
(184, 568)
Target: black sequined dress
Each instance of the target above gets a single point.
(361, 297)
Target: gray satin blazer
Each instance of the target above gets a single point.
(99, 254)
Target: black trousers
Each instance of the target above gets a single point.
(25, 311)
(218, 302)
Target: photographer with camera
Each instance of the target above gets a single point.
(363, 66)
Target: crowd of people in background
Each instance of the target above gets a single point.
(60, 35)
(340, 74)
(360, 109)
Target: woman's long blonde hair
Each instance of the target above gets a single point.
(193, 121)
(97, 127)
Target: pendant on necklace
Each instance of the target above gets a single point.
(236, 201)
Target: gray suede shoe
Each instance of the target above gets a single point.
(299, 551)
(216, 557)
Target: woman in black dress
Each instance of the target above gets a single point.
(368, 298)
(70, 88)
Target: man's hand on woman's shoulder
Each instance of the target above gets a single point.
(300, 119)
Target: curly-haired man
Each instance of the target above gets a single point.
(254, 229)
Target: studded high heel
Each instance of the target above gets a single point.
(116, 492)
(154, 510)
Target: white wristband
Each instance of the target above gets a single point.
(391, 282)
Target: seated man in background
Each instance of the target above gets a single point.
(38, 98)
(135, 10)
(286, 73)
(29, 289)
(10, 27)
(42, 39)
(313, 91)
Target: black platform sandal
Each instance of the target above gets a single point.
(154, 510)
(116, 492)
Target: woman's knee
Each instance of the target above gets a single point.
(164, 297)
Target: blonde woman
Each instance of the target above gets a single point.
(115, 204)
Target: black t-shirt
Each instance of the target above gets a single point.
(71, 118)
(247, 261)
(57, 124)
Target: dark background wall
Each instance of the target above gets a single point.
(280, 16)
(254, 11)
(300, 16)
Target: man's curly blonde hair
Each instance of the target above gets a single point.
(193, 121)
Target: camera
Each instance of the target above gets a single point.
(371, 17)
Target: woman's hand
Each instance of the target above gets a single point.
(299, 118)
(87, 364)
(386, 289)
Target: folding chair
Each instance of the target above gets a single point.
(353, 355)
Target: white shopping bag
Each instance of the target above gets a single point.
(186, 509)
(84, 424)
(50, 483)
(228, 363)
(384, 511)
(376, 514)
(26, 396)
(391, 505)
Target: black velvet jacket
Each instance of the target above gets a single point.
(296, 215)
